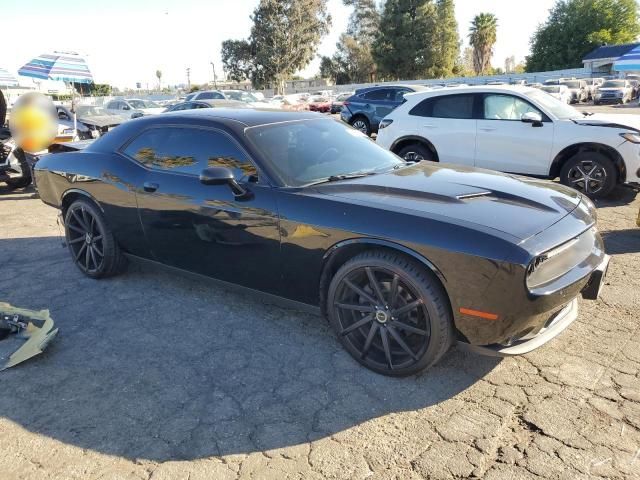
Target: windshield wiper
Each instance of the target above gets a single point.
(344, 176)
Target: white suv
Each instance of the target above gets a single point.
(517, 130)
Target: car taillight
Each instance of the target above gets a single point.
(346, 104)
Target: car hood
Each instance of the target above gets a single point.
(102, 120)
(623, 120)
(518, 206)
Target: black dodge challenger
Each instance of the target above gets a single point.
(403, 259)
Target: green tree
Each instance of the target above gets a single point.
(403, 47)
(328, 68)
(284, 38)
(482, 37)
(159, 76)
(575, 27)
(446, 42)
(464, 63)
(237, 60)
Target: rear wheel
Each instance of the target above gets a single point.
(91, 243)
(591, 173)
(416, 152)
(362, 124)
(390, 314)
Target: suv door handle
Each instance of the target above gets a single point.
(487, 129)
(150, 187)
(429, 125)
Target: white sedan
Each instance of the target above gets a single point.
(517, 130)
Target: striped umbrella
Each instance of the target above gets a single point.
(630, 61)
(60, 66)
(6, 79)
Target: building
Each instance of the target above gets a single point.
(600, 61)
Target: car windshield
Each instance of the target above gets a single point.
(613, 84)
(309, 151)
(89, 110)
(343, 96)
(240, 96)
(551, 104)
(551, 89)
(143, 104)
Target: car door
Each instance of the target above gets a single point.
(205, 228)
(447, 121)
(505, 143)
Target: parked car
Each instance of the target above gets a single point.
(614, 91)
(577, 89)
(364, 110)
(132, 107)
(205, 104)
(592, 85)
(404, 259)
(336, 105)
(91, 121)
(247, 98)
(534, 85)
(561, 92)
(319, 103)
(517, 130)
(205, 95)
(635, 88)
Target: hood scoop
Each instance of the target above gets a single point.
(468, 196)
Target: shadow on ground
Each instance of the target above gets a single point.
(154, 366)
(7, 193)
(618, 242)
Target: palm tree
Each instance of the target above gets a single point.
(159, 75)
(482, 37)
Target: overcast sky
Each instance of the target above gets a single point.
(126, 41)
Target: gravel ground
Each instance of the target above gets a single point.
(155, 376)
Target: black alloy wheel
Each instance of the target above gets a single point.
(389, 313)
(416, 152)
(92, 246)
(591, 173)
(361, 123)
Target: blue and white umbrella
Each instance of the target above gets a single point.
(630, 61)
(59, 66)
(6, 79)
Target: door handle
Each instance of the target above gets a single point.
(150, 187)
(487, 129)
(428, 125)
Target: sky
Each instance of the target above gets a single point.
(126, 41)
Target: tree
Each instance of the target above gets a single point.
(464, 63)
(159, 76)
(446, 42)
(482, 37)
(284, 38)
(327, 68)
(575, 27)
(403, 47)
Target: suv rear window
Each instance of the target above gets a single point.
(379, 94)
(446, 106)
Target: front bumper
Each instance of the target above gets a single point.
(555, 325)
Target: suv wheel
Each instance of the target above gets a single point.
(591, 173)
(416, 152)
(389, 313)
(362, 124)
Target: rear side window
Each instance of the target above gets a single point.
(210, 96)
(188, 150)
(379, 94)
(446, 106)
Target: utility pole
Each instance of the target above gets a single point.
(188, 79)
(215, 81)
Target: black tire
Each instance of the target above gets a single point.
(361, 123)
(25, 179)
(91, 243)
(416, 152)
(408, 332)
(591, 173)
(22, 182)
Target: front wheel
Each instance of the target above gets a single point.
(416, 152)
(591, 173)
(91, 243)
(362, 124)
(390, 313)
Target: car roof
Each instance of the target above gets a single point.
(250, 117)
(377, 87)
(472, 89)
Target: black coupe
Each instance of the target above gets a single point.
(403, 259)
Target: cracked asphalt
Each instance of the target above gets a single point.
(155, 376)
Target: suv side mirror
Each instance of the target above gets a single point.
(534, 118)
(223, 176)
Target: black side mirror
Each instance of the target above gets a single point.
(224, 176)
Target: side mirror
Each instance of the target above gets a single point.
(126, 107)
(223, 176)
(535, 119)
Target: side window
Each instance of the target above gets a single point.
(453, 106)
(506, 107)
(112, 105)
(423, 109)
(398, 95)
(188, 150)
(378, 94)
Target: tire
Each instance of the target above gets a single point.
(21, 182)
(25, 179)
(590, 165)
(98, 254)
(371, 334)
(416, 152)
(361, 123)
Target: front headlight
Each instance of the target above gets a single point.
(631, 137)
(555, 263)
